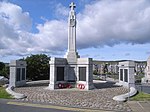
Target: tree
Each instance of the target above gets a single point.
(4, 70)
(105, 69)
(2, 65)
(95, 72)
(38, 67)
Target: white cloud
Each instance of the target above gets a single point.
(105, 22)
(52, 36)
(61, 10)
(109, 22)
(14, 16)
(14, 25)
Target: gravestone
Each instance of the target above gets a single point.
(126, 73)
(71, 69)
(17, 73)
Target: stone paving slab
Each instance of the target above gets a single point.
(139, 106)
(100, 98)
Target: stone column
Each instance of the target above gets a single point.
(56, 65)
(72, 54)
(52, 74)
(86, 63)
(17, 73)
(126, 73)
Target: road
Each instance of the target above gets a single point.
(13, 106)
(5, 107)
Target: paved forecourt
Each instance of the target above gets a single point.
(100, 98)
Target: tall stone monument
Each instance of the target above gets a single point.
(126, 73)
(71, 70)
(72, 54)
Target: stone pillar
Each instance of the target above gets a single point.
(85, 64)
(17, 73)
(52, 74)
(126, 73)
(72, 54)
(57, 66)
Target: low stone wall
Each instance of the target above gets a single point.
(14, 94)
(37, 83)
(123, 97)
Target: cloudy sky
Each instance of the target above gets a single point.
(106, 29)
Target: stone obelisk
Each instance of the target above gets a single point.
(72, 54)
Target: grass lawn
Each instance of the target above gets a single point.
(141, 97)
(4, 94)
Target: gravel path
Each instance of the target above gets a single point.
(100, 98)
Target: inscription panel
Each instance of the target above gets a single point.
(18, 74)
(126, 75)
(121, 74)
(82, 73)
(60, 73)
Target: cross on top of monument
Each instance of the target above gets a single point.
(72, 5)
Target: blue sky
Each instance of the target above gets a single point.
(106, 29)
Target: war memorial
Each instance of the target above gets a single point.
(71, 71)
(71, 81)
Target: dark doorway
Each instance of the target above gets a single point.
(60, 73)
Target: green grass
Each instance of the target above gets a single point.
(141, 97)
(4, 94)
